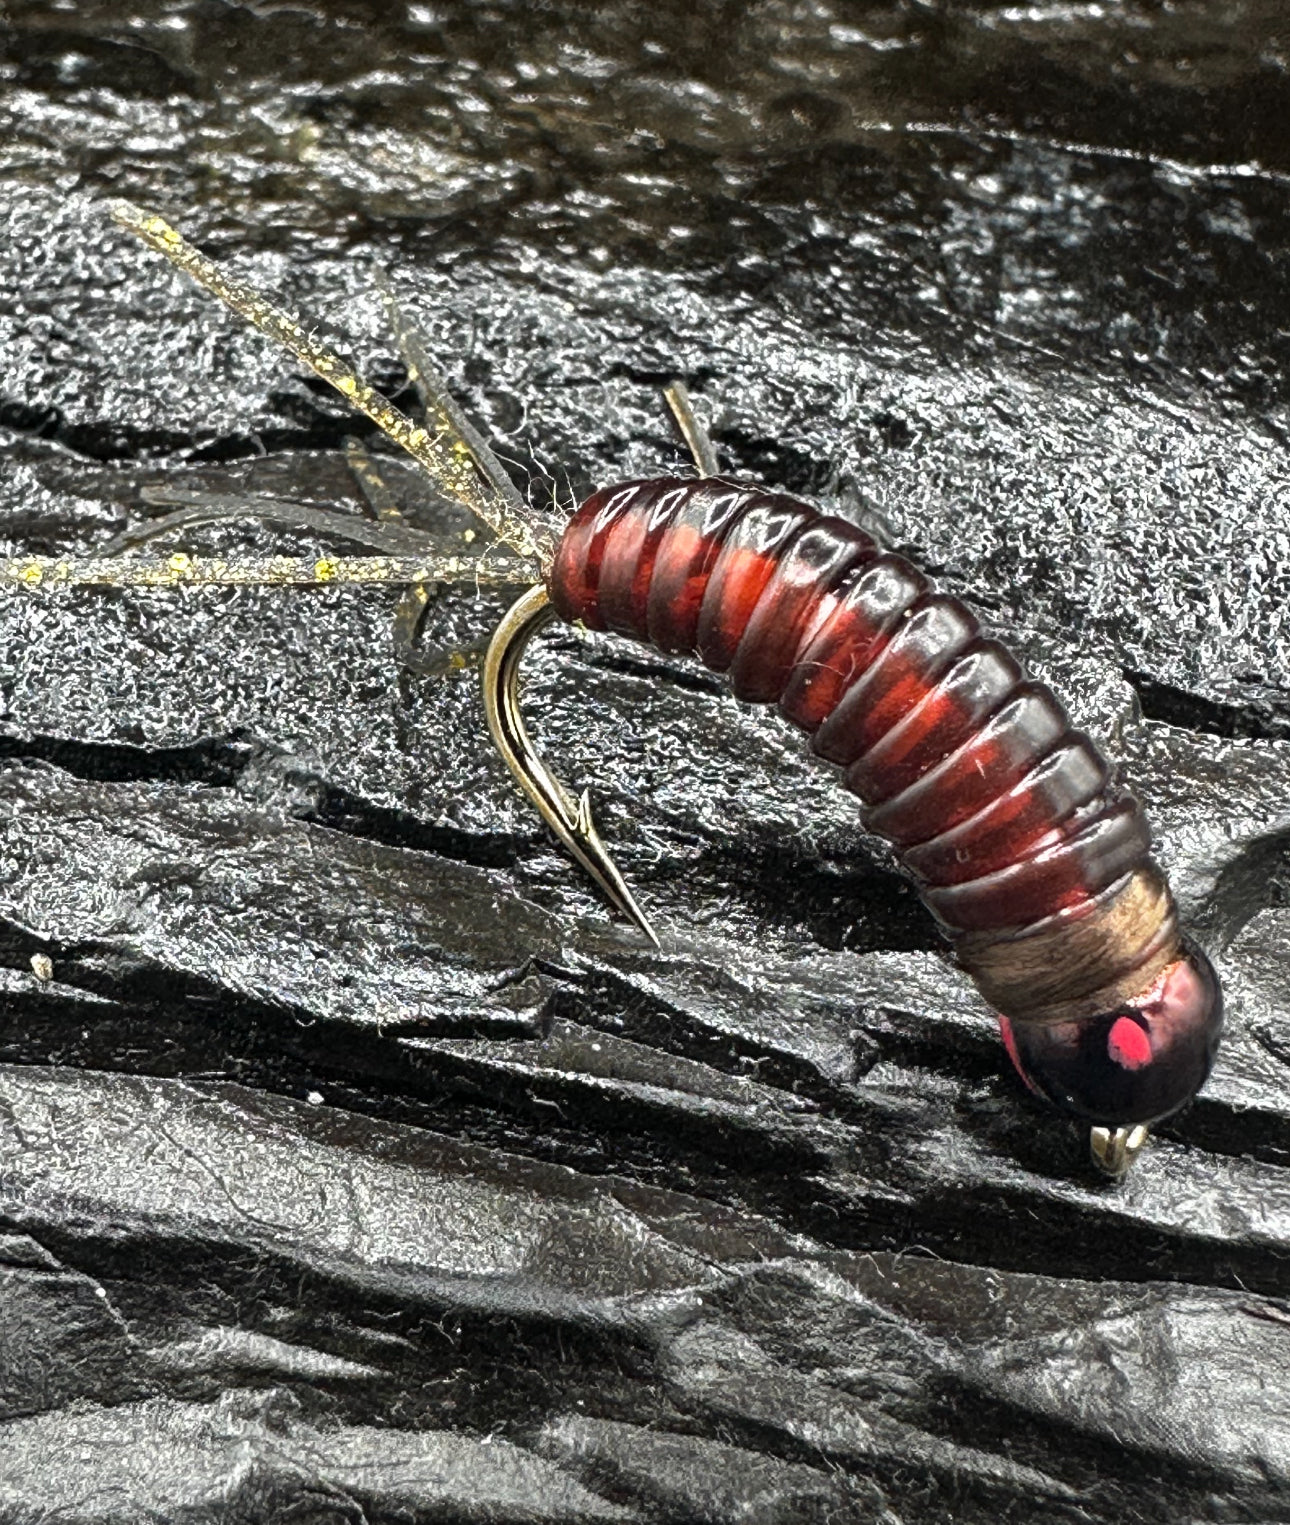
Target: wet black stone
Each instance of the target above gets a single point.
(353, 1163)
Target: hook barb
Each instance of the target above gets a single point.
(569, 819)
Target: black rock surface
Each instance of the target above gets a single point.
(354, 1165)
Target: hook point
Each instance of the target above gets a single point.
(570, 820)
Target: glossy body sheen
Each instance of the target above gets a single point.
(1004, 815)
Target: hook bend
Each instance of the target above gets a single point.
(570, 820)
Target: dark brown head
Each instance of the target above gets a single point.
(1134, 1064)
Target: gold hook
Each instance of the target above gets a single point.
(569, 819)
(1115, 1149)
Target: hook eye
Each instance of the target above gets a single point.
(1115, 1149)
(569, 819)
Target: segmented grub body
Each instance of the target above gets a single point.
(1004, 815)
(1035, 863)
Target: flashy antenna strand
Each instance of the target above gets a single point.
(438, 402)
(450, 465)
(183, 571)
(199, 508)
(696, 437)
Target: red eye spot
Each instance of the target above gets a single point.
(1128, 1045)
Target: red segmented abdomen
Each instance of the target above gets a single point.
(998, 808)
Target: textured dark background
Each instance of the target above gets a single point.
(354, 1165)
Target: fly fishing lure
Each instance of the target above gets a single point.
(1034, 862)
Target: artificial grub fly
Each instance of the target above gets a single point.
(1034, 862)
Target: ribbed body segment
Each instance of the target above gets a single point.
(1001, 812)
